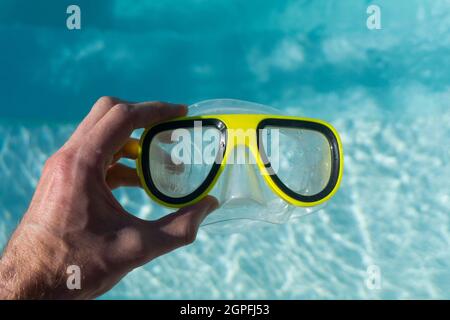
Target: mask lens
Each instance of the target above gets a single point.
(181, 159)
(300, 158)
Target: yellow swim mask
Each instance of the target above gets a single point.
(257, 163)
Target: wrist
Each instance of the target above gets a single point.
(9, 284)
(21, 280)
(7, 291)
(27, 270)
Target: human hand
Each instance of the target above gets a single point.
(74, 219)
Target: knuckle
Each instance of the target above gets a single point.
(158, 104)
(123, 109)
(105, 101)
(63, 160)
(103, 104)
(158, 110)
(88, 157)
(69, 165)
(189, 233)
(60, 159)
(59, 164)
(48, 163)
(124, 113)
(130, 241)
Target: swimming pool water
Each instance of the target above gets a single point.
(386, 91)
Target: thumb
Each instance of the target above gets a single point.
(180, 228)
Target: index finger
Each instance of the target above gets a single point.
(113, 130)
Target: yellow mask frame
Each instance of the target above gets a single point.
(251, 123)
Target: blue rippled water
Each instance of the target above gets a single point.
(386, 91)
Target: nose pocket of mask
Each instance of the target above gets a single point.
(243, 195)
(241, 185)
